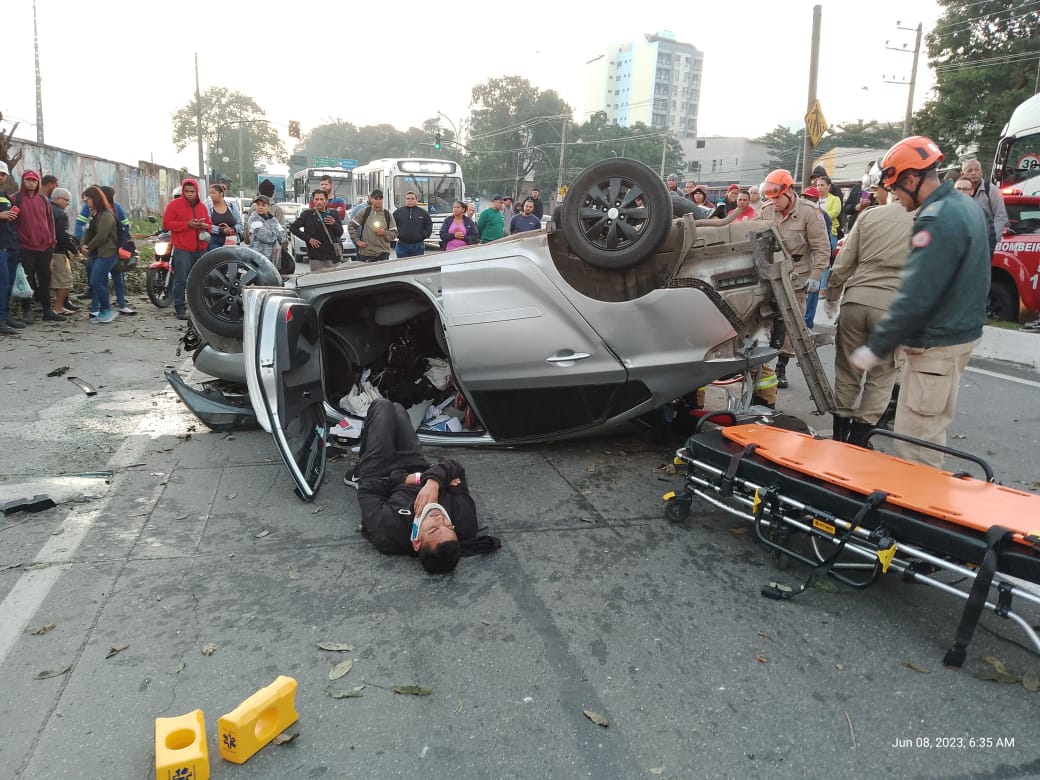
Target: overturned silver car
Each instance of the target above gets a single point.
(544, 335)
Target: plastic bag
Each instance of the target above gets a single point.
(21, 287)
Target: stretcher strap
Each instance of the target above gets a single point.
(726, 484)
(995, 539)
(774, 591)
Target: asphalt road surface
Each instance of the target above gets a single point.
(196, 542)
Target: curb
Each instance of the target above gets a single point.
(1011, 346)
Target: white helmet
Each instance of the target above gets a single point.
(176, 192)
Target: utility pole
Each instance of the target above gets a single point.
(814, 69)
(664, 150)
(39, 85)
(908, 118)
(198, 118)
(241, 164)
(563, 157)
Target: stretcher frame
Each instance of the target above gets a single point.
(784, 506)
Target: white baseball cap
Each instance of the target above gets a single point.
(3, 168)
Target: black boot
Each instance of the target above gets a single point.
(7, 330)
(888, 419)
(781, 373)
(50, 315)
(841, 428)
(858, 434)
(27, 312)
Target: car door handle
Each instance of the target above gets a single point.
(567, 356)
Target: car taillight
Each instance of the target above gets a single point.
(1011, 191)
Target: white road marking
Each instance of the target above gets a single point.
(25, 598)
(1009, 378)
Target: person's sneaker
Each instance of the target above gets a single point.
(127, 311)
(7, 330)
(350, 478)
(13, 323)
(52, 316)
(107, 316)
(84, 296)
(182, 315)
(70, 305)
(94, 314)
(1034, 325)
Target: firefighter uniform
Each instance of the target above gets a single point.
(937, 315)
(805, 236)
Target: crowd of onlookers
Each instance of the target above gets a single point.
(39, 246)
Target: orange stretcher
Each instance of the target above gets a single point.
(866, 513)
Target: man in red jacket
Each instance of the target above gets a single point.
(188, 222)
(35, 226)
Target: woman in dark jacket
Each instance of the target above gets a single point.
(101, 242)
(458, 230)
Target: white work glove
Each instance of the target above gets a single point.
(812, 286)
(830, 308)
(864, 359)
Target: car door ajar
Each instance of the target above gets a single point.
(287, 367)
(528, 362)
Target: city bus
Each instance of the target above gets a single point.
(1016, 167)
(306, 181)
(436, 183)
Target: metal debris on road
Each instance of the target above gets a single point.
(86, 387)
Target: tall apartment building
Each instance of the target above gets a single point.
(654, 79)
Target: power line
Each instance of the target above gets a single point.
(962, 25)
(969, 65)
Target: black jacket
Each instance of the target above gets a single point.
(386, 506)
(413, 224)
(310, 225)
(539, 209)
(63, 241)
(472, 236)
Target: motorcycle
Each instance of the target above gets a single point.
(159, 276)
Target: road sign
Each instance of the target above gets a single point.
(347, 164)
(815, 124)
(324, 162)
(563, 191)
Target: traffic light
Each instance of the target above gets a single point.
(437, 140)
(294, 128)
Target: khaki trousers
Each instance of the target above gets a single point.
(855, 323)
(928, 398)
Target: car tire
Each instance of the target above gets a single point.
(1002, 302)
(603, 225)
(215, 285)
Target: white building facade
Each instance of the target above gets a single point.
(720, 161)
(654, 79)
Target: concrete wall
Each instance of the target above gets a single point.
(144, 188)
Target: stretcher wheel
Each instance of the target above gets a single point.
(676, 510)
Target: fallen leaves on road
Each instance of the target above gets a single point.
(1031, 681)
(997, 672)
(176, 669)
(596, 718)
(350, 693)
(666, 469)
(294, 573)
(116, 650)
(209, 648)
(739, 530)
(48, 673)
(761, 658)
(916, 668)
(285, 738)
(412, 690)
(42, 630)
(335, 647)
(340, 669)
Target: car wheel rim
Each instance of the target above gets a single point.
(222, 290)
(613, 213)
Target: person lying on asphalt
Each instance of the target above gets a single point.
(409, 507)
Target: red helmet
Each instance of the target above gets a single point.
(777, 183)
(916, 153)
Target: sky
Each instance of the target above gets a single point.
(403, 62)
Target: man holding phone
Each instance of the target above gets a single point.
(187, 219)
(320, 230)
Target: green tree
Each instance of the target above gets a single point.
(985, 60)
(599, 139)
(515, 132)
(340, 139)
(231, 122)
(785, 147)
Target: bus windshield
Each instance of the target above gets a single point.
(435, 193)
(1017, 163)
(306, 181)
